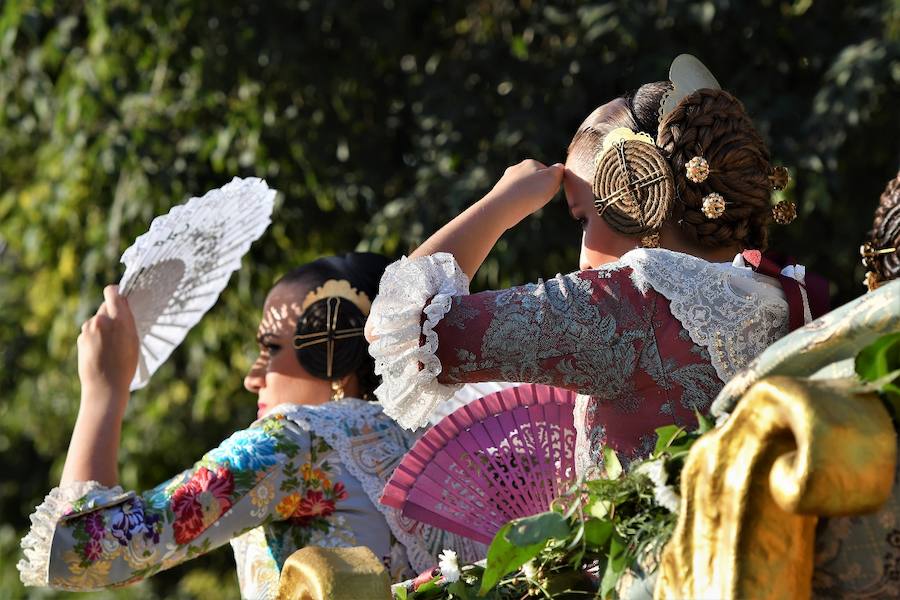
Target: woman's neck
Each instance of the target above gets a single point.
(673, 239)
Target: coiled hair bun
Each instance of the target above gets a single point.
(338, 356)
(714, 124)
(633, 188)
(350, 353)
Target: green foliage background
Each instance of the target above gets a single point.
(377, 121)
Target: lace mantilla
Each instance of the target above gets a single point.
(370, 447)
(734, 313)
(34, 569)
(411, 288)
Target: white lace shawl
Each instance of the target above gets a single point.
(728, 309)
(370, 452)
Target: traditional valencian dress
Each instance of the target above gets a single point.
(647, 340)
(303, 475)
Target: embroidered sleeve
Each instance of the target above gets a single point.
(575, 331)
(413, 297)
(87, 537)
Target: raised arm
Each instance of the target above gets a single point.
(107, 359)
(523, 189)
(575, 331)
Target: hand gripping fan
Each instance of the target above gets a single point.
(504, 456)
(175, 272)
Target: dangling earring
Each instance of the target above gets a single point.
(337, 389)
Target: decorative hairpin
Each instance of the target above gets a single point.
(340, 288)
(713, 205)
(697, 169)
(780, 177)
(784, 212)
(687, 75)
(619, 136)
(868, 252)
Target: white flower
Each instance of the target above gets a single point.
(664, 494)
(448, 565)
(666, 497)
(529, 569)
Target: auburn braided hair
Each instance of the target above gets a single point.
(886, 232)
(714, 124)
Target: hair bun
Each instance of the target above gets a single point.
(714, 124)
(320, 346)
(633, 187)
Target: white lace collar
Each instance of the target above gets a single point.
(729, 309)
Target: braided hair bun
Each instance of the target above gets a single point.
(886, 233)
(713, 124)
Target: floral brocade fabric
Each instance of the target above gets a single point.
(593, 332)
(269, 490)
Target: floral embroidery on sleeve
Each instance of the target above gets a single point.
(274, 471)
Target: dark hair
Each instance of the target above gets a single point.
(638, 111)
(363, 270)
(708, 123)
(886, 232)
(714, 124)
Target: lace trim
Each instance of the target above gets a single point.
(583, 462)
(734, 313)
(409, 368)
(337, 422)
(34, 569)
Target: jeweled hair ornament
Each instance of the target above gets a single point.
(784, 212)
(780, 177)
(697, 169)
(713, 205)
(687, 75)
(869, 253)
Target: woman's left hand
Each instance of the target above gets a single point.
(108, 346)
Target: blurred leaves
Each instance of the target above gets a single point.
(377, 121)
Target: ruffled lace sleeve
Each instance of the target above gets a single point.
(78, 496)
(413, 297)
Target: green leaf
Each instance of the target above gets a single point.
(613, 466)
(879, 359)
(400, 593)
(598, 507)
(597, 532)
(615, 566)
(704, 422)
(537, 528)
(666, 436)
(459, 589)
(429, 589)
(504, 557)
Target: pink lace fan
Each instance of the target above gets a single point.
(504, 456)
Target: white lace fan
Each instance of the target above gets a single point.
(175, 272)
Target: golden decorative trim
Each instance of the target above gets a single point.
(314, 573)
(339, 288)
(753, 489)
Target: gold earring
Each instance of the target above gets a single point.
(337, 389)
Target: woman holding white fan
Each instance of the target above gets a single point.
(307, 472)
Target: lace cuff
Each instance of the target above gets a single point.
(34, 569)
(411, 288)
